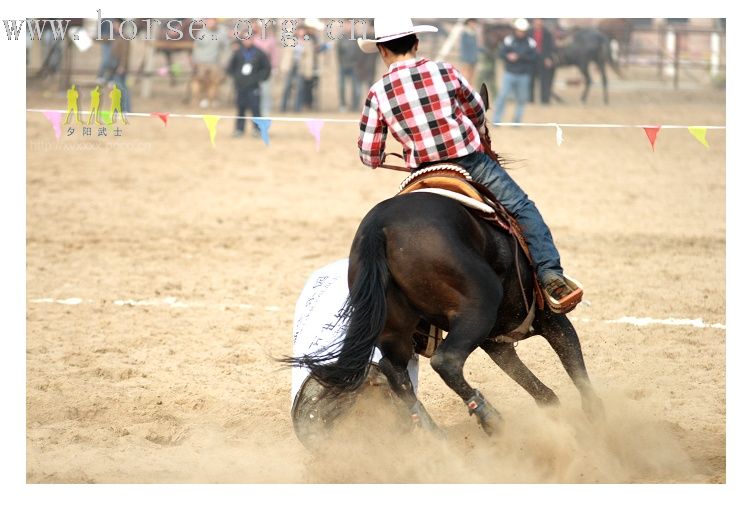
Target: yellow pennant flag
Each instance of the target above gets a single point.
(211, 124)
(700, 133)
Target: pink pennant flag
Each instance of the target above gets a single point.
(314, 126)
(652, 133)
(162, 115)
(55, 118)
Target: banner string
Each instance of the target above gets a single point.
(351, 121)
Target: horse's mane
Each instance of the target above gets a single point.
(485, 140)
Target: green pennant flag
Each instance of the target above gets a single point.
(700, 133)
(106, 116)
(211, 125)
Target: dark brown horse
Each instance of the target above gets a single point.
(582, 47)
(424, 257)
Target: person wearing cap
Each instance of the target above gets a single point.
(520, 57)
(208, 50)
(432, 110)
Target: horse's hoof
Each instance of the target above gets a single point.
(548, 401)
(594, 409)
(488, 417)
(493, 427)
(426, 423)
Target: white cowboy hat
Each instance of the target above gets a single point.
(386, 29)
(521, 24)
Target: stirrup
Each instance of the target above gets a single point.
(567, 303)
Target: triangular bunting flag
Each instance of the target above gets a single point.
(700, 133)
(652, 133)
(211, 124)
(54, 117)
(314, 126)
(162, 115)
(263, 126)
(559, 135)
(106, 116)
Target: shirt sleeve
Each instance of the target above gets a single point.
(373, 131)
(470, 100)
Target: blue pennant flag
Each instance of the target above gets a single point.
(263, 125)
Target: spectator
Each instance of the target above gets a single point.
(348, 55)
(249, 66)
(310, 61)
(208, 49)
(543, 71)
(106, 43)
(118, 65)
(267, 42)
(365, 70)
(487, 59)
(518, 53)
(300, 65)
(469, 49)
(291, 66)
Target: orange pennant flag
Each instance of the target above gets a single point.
(652, 133)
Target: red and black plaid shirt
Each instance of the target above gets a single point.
(428, 106)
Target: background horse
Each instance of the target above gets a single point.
(619, 32)
(584, 46)
(423, 256)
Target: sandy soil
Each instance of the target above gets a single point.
(188, 392)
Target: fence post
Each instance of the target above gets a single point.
(147, 69)
(676, 61)
(661, 37)
(715, 54)
(668, 67)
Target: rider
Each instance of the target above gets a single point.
(432, 110)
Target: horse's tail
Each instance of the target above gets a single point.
(365, 312)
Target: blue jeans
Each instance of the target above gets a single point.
(517, 84)
(105, 66)
(125, 98)
(294, 81)
(488, 172)
(344, 75)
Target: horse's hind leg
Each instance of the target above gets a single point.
(396, 346)
(561, 335)
(470, 327)
(588, 81)
(399, 381)
(602, 67)
(505, 356)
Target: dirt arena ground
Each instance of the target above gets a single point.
(220, 242)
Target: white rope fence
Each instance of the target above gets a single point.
(356, 121)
